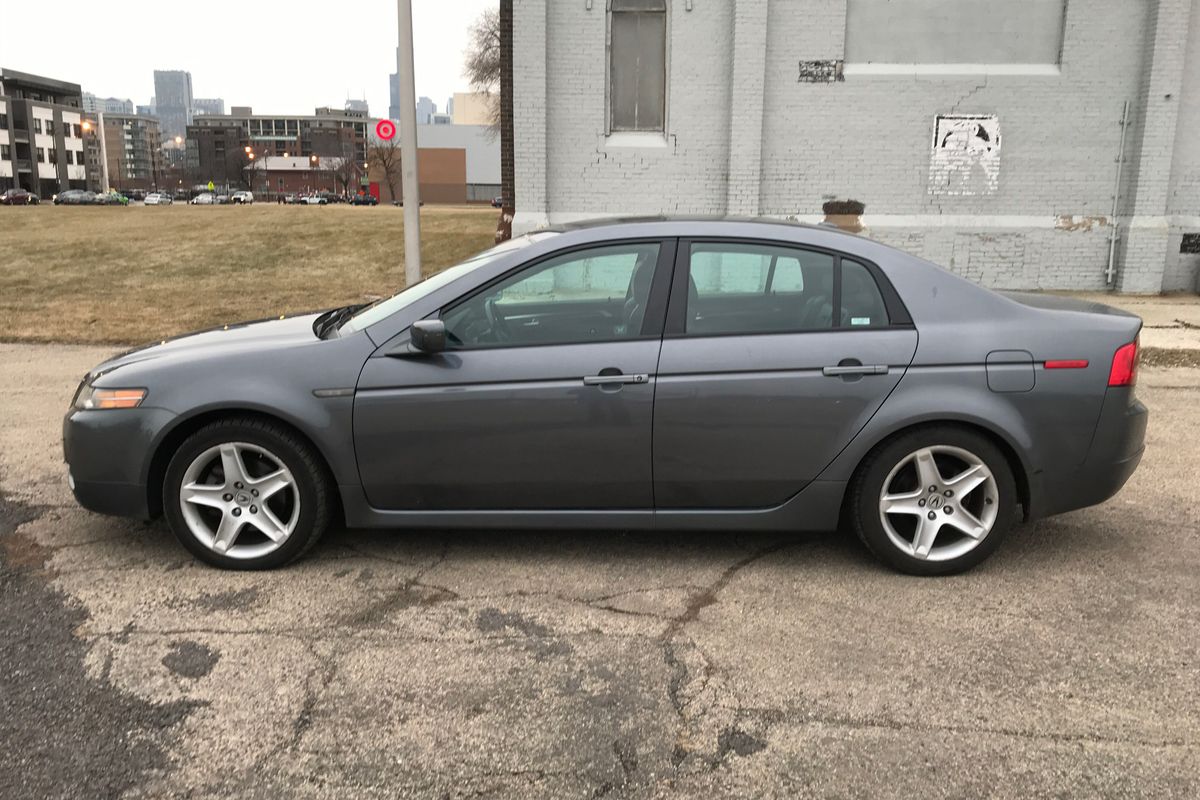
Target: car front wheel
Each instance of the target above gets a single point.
(246, 494)
(934, 501)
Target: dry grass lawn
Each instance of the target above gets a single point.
(136, 274)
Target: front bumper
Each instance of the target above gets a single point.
(1117, 448)
(108, 457)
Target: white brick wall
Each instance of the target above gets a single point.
(744, 135)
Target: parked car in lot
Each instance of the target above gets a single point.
(75, 197)
(111, 198)
(19, 197)
(364, 200)
(316, 200)
(498, 201)
(665, 374)
(158, 199)
(242, 198)
(134, 195)
(204, 199)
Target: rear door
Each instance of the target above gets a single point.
(774, 358)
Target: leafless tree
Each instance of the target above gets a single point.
(385, 155)
(349, 170)
(483, 61)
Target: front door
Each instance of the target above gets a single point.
(774, 358)
(543, 400)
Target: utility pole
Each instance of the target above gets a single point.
(408, 145)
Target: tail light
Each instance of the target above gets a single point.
(1124, 365)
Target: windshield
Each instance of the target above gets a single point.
(384, 308)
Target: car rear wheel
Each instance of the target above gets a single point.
(246, 494)
(934, 501)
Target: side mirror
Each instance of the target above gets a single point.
(428, 335)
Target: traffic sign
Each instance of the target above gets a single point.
(385, 129)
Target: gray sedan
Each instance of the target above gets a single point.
(665, 374)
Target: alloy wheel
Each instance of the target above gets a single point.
(939, 503)
(239, 500)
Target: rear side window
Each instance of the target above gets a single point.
(745, 288)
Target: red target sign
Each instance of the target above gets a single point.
(385, 129)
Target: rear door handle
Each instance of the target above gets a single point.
(605, 380)
(856, 369)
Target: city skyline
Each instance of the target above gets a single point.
(247, 75)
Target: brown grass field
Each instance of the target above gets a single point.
(131, 275)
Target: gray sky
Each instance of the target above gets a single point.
(289, 62)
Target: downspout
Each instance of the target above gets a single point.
(1110, 274)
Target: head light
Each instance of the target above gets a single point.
(90, 397)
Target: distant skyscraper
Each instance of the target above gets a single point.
(426, 108)
(173, 100)
(208, 105)
(450, 106)
(106, 105)
(145, 111)
(394, 86)
(358, 107)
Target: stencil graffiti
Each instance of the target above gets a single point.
(966, 155)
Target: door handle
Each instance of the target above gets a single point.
(604, 380)
(855, 369)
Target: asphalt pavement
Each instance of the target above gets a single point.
(517, 664)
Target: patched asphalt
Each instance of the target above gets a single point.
(517, 664)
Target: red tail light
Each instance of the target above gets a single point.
(1124, 365)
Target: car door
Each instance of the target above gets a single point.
(543, 399)
(774, 358)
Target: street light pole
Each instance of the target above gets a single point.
(408, 145)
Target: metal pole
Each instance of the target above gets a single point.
(1110, 274)
(408, 145)
(103, 152)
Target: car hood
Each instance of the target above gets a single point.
(234, 338)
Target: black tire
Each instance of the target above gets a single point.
(312, 486)
(867, 489)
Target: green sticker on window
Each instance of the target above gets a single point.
(860, 320)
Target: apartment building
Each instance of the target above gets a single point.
(41, 134)
(133, 147)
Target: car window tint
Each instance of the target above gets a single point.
(862, 303)
(751, 288)
(593, 295)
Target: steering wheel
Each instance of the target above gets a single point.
(496, 323)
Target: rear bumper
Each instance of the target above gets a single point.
(1116, 451)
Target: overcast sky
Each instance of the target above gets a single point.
(278, 58)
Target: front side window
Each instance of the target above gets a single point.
(736, 288)
(638, 65)
(593, 295)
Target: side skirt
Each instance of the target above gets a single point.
(814, 508)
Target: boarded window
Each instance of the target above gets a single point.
(962, 32)
(638, 65)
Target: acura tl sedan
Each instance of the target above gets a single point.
(641, 374)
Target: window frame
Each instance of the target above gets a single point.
(653, 322)
(609, 130)
(676, 318)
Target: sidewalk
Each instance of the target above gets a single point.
(1172, 321)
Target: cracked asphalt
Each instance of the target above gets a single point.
(514, 664)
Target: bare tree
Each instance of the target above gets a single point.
(385, 154)
(349, 170)
(483, 61)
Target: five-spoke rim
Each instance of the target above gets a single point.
(939, 503)
(239, 500)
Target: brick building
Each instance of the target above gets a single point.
(982, 135)
(133, 147)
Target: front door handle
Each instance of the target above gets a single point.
(617, 378)
(855, 369)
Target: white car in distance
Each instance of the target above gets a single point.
(158, 199)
